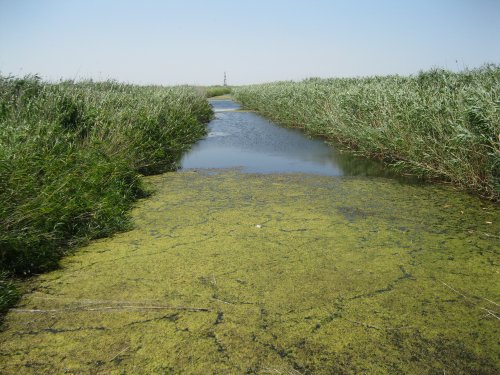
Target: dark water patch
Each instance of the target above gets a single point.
(352, 213)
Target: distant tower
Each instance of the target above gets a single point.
(225, 80)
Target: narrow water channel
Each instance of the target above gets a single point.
(272, 273)
(246, 140)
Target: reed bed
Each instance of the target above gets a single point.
(211, 91)
(437, 125)
(71, 157)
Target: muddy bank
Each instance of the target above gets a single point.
(238, 273)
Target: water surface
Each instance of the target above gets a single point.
(242, 139)
(271, 273)
(238, 273)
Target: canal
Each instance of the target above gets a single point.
(272, 253)
(244, 140)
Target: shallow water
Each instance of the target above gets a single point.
(271, 273)
(245, 140)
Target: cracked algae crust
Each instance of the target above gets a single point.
(233, 273)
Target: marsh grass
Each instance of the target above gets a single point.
(435, 125)
(211, 91)
(71, 156)
(9, 294)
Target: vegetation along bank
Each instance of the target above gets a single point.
(71, 156)
(436, 125)
(211, 91)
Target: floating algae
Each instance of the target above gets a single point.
(237, 273)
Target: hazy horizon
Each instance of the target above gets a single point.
(195, 42)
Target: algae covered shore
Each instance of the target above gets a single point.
(231, 273)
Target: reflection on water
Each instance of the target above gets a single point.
(248, 141)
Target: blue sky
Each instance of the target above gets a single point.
(195, 41)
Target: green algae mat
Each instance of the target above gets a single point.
(232, 273)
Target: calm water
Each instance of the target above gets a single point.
(248, 141)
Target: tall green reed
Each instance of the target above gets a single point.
(211, 91)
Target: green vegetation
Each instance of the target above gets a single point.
(211, 91)
(8, 292)
(436, 125)
(71, 155)
(229, 273)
